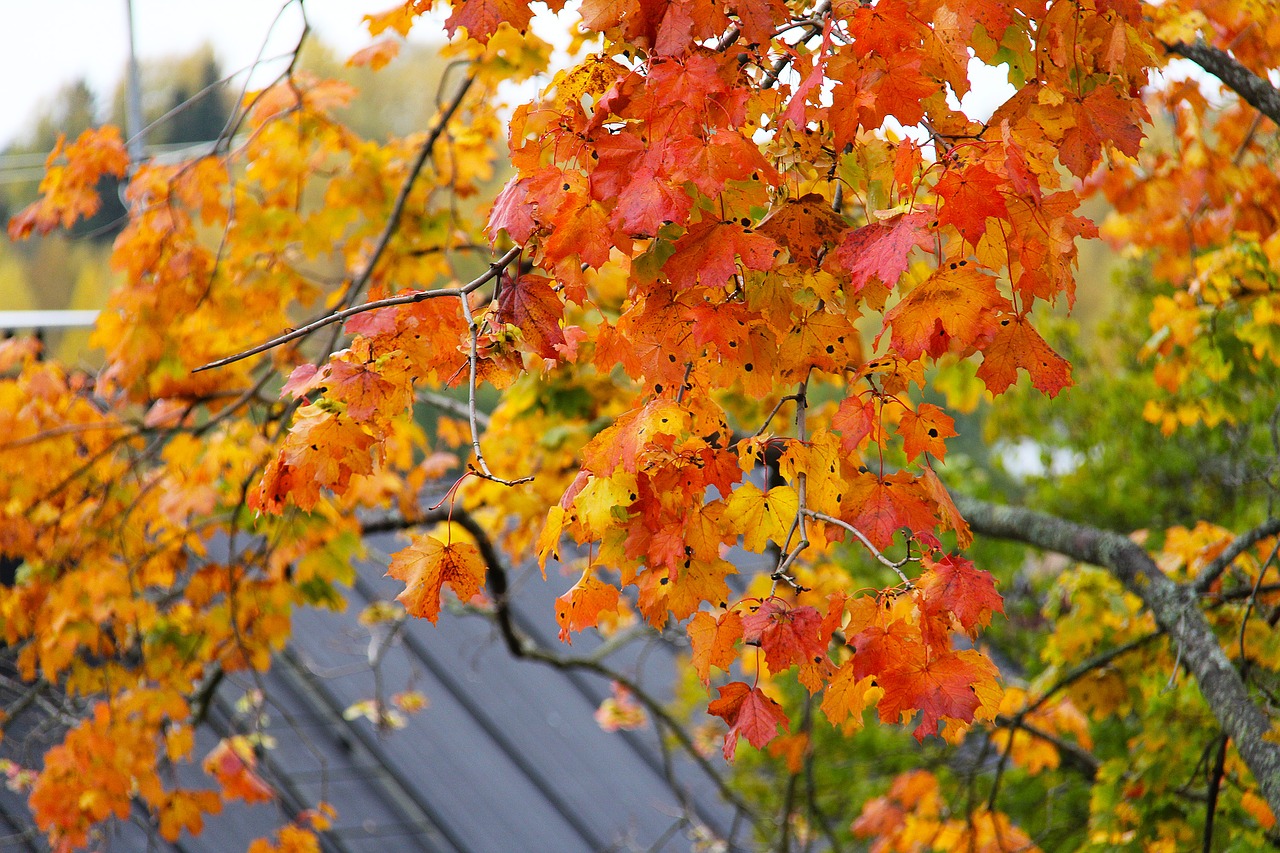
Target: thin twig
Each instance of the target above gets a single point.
(494, 270)
(1242, 543)
(862, 537)
(397, 209)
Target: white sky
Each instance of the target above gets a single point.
(45, 44)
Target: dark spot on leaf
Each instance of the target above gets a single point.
(830, 348)
(665, 581)
(933, 433)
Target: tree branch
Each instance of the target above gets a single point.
(1174, 607)
(1257, 91)
(1243, 543)
(495, 269)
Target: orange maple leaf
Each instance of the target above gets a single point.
(951, 311)
(69, 190)
(1017, 345)
(925, 431)
(712, 640)
(847, 696)
(580, 607)
(232, 763)
(970, 196)
(427, 564)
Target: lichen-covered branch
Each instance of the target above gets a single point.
(1174, 607)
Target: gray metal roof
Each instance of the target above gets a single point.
(507, 757)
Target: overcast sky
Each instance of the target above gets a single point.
(45, 44)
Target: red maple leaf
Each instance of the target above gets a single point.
(789, 635)
(969, 197)
(954, 585)
(1104, 116)
(482, 17)
(707, 251)
(880, 250)
(856, 420)
(512, 212)
(749, 713)
(531, 305)
(881, 507)
(938, 686)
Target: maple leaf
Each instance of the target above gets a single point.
(707, 251)
(712, 640)
(880, 507)
(376, 56)
(481, 18)
(970, 196)
(761, 516)
(1103, 117)
(947, 512)
(940, 685)
(807, 227)
(925, 430)
(856, 420)
(847, 696)
(531, 305)
(232, 764)
(427, 564)
(951, 311)
(1015, 345)
(711, 163)
(69, 190)
(399, 18)
(880, 250)
(750, 714)
(580, 607)
(952, 585)
(789, 635)
(364, 389)
(512, 211)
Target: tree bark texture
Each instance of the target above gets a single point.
(1175, 608)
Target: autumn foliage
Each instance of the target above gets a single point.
(743, 257)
